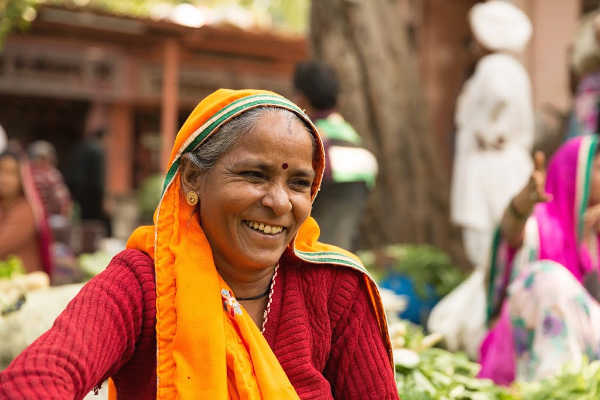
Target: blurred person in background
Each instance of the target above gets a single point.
(48, 179)
(543, 286)
(57, 203)
(350, 169)
(495, 131)
(24, 231)
(86, 175)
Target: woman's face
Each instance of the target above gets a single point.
(257, 195)
(595, 182)
(10, 182)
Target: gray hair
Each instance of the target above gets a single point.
(205, 156)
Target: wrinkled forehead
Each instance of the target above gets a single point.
(267, 122)
(264, 121)
(206, 120)
(318, 152)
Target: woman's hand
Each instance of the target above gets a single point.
(535, 191)
(521, 206)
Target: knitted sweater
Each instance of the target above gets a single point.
(320, 326)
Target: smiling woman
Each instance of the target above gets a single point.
(229, 295)
(251, 208)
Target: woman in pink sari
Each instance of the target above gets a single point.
(543, 280)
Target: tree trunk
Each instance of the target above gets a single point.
(368, 43)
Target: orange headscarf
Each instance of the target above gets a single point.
(204, 351)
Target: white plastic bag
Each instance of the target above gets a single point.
(460, 316)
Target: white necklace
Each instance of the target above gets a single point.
(268, 307)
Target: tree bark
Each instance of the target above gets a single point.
(368, 43)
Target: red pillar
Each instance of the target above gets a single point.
(119, 157)
(170, 86)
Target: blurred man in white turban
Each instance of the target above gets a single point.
(495, 129)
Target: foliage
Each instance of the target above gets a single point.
(425, 264)
(15, 15)
(139, 8)
(291, 15)
(148, 196)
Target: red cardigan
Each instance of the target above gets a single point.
(320, 326)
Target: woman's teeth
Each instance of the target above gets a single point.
(263, 228)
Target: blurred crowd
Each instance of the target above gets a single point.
(41, 209)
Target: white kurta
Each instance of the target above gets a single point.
(494, 109)
(494, 106)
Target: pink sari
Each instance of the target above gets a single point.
(523, 344)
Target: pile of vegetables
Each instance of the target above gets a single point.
(424, 372)
(15, 283)
(439, 374)
(10, 299)
(427, 373)
(575, 382)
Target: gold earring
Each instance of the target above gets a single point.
(192, 198)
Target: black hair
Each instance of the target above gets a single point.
(8, 153)
(12, 154)
(318, 82)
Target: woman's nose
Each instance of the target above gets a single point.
(277, 199)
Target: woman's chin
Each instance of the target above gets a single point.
(264, 250)
(261, 259)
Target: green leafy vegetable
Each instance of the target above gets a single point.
(425, 373)
(10, 267)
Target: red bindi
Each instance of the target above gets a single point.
(284, 165)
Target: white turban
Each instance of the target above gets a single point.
(500, 26)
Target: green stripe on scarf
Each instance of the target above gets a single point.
(330, 257)
(593, 142)
(492, 276)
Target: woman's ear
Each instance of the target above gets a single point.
(191, 175)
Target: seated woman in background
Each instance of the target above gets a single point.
(23, 229)
(228, 295)
(544, 275)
